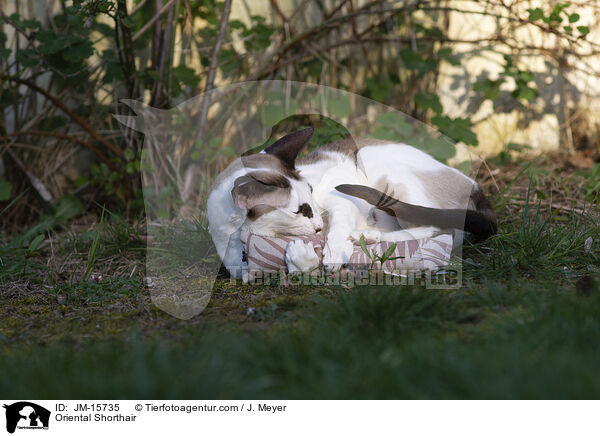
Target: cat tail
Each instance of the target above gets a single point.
(480, 222)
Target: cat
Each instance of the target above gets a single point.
(383, 190)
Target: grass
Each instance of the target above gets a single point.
(525, 324)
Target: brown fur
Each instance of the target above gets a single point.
(259, 210)
(261, 188)
(481, 222)
(346, 146)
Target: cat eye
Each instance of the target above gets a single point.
(305, 210)
(310, 187)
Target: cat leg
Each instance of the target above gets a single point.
(409, 234)
(233, 258)
(301, 257)
(342, 221)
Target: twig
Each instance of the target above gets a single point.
(138, 7)
(164, 55)
(76, 118)
(67, 138)
(213, 65)
(126, 53)
(151, 22)
(35, 182)
(278, 11)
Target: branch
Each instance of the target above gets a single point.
(277, 59)
(213, 64)
(151, 22)
(278, 11)
(69, 138)
(33, 179)
(76, 118)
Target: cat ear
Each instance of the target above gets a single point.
(260, 188)
(288, 147)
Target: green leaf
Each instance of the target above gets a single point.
(459, 129)
(51, 43)
(227, 152)
(363, 245)
(446, 54)
(237, 24)
(390, 119)
(128, 22)
(560, 6)
(440, 148)
(427, 100)
(4, 53)
(35, 243)
(229, 61)
(79, 51)
(490, 89)
(5, 189)
(183, 73)
(573, 18)
(31, 24)
(411, 59)
(393, 127)
(112, 71)
(526, 76)
(260, 36)
(183, 76)
(128, 154)
(103, 28)
(153, 74)
(80, 181)
(535, 14)
(378, 88)
(215, 142)
(388, 253)
(525, 92)
(464, 167)
(584, 30)
(27, 57)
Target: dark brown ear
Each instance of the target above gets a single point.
(260, 188)
(288, 147)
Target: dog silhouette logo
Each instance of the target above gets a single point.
(26, 415)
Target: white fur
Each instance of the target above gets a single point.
(301, 257)
(402, 166)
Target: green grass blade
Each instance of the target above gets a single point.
(93, 249)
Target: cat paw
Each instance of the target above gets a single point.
(336, 255)
(301, 257)
(370, 235)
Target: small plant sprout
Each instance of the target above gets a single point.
(374, 256)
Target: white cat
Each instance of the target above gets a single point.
(272, 193)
